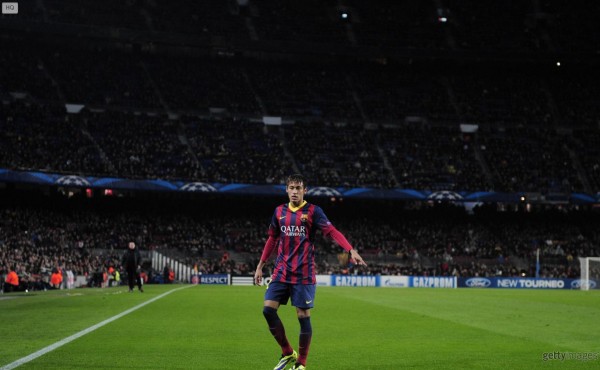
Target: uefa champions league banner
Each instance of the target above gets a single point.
(75, 181)
(522, 283)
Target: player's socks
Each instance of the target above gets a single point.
(305, 337)
(277, 329)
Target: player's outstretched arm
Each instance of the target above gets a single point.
(357, 258)
(341, 240)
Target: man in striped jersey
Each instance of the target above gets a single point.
(291, 233)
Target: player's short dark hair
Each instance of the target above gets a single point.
(296, 178)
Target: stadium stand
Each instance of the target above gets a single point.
(87, 236)
(369, 96)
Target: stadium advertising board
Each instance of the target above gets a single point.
(323, 280)
(242, 280)
(388, 281)
(432, 282)
(355, 280)
(220, 279)
(522, 283)
(394, 281)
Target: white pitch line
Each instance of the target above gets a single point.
(62, 342)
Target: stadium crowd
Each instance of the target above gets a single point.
(369, 96)
(355, 124)
(406, 155)
(430, 241)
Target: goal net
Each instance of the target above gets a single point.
(590, 272)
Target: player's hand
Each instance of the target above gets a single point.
(258, 276)
(357, 258)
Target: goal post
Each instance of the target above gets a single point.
(590, 272)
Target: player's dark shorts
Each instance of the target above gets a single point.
(303, 295)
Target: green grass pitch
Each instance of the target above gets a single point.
(222, 327)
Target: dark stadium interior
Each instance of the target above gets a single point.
(374, 99)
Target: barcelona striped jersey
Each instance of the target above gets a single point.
(295, 228)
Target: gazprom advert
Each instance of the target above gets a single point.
(394, 281)
(355, 280)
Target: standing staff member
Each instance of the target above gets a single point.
(132, 262)
(11, 282)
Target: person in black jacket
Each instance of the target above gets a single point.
(132, 261)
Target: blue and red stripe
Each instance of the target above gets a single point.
(295, 261)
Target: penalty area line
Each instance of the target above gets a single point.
(80, 334)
